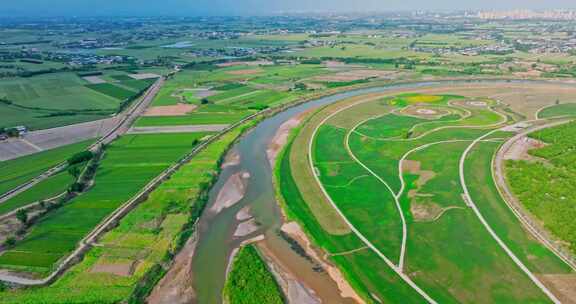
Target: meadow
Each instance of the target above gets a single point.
(250, 281)
(128, 165)
(449, 253)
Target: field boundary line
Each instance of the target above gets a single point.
(107, 138)
(479, 127)
(402, 275)
(487, 226)
(396, 200)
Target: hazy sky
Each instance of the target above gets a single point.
(252, 7)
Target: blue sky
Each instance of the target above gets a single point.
(252, 7)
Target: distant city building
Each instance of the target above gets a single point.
(522, 14)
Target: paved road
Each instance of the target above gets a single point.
(123, 123)
(37, 141)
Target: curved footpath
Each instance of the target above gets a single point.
(515, 206)
(487, 226)
(136, 110)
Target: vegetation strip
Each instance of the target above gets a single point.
(504, 247)
(513, 203)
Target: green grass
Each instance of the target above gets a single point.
(60, 91)
(546, 188)
(129, 164)
(48, 188)
(250, 281)
(361, 197)
(484, 192)
(567, 109)
(145, 236)
(38, 102)
(111, 90)
(20, 170)
(364, 270)
(475, 270)
(452, 257)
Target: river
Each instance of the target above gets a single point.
(216, 241)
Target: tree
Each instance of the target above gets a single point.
(74, 171)
(22, 216)
(11, 241)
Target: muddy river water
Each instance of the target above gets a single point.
(216, 231)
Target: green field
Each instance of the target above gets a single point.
(567, 109)
(250, 281)
(111, 90)
(128, 165)
(143, 238)
(18, 171)
(545, 185)
(449, 253)
(48, 188)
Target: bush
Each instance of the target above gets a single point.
(80, 157)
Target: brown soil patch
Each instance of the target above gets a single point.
(425, 212)
(175, 110)
(425, 112)
(246, 228)
(562, 285)
(245, 72)
(413, 167)
(231, 159)
(176, 286)
(124, 269)
(519, 150)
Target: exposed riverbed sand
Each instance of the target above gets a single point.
(294, 291)
(281, 137)
(231, 193)
(231, 159)
(176, 286)
(346, 291)
(246, 228)
(244, 214)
